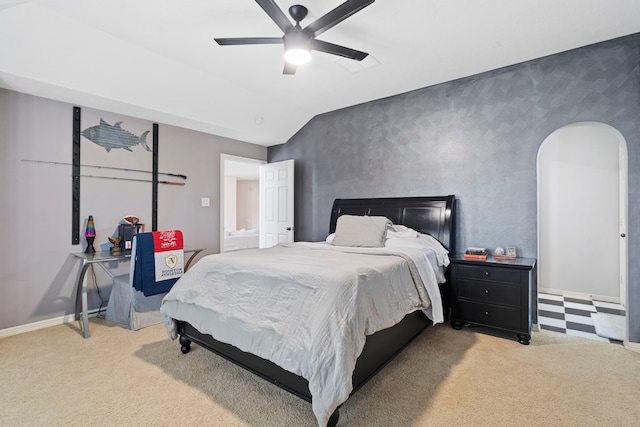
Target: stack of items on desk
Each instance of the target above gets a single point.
(476, 254)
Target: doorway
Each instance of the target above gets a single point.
(239, 202)
(582, 212)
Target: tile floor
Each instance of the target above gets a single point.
(572, 316)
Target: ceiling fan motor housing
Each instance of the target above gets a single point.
(296, 39)
(298, 12)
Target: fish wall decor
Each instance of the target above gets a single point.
(112, 137)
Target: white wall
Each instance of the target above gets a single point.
(230, 191)
(248, 204)
(37, 274)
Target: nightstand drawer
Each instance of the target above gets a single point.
(489, 292)
(489, 315)
(495, 274)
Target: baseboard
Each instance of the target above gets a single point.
(633, 346)
(67, 318)
(580, 295)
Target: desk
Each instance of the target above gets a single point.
(88, 259)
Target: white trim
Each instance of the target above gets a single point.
(633, 346)
(29, 327)
(623, 162)
(623, 189)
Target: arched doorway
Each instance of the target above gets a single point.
(582, 212)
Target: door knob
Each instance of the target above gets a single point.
(623, 235)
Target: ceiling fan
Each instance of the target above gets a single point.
(298, 41)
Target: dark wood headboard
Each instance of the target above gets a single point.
(432, 215)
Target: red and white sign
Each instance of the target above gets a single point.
(168, 248)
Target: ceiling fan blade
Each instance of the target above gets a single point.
(335, 49)
(289, 68)
(336, 16)
(248, 40)
(276, 14)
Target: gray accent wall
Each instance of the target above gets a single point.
(478, 138)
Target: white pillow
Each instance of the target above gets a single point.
(422, 241)
(394, 230)
(361, 231)
(404, 242)
(397, 230)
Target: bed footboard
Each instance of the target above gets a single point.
(259, 366)
(380, 348)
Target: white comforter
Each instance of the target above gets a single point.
(307, 307)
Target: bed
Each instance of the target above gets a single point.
(376, 339)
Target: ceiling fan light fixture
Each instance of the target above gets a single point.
(297, 47)
(297, 56)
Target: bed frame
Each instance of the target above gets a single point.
(433, 215)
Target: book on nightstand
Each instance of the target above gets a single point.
(476, 254)
(505, 257)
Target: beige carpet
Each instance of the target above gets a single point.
(54, 377)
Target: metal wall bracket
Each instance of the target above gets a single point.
(154, 195)
(75, 179)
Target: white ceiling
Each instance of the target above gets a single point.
(157, 60)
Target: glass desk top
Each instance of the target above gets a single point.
(98, 257)
(105, 256)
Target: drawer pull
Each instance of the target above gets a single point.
(486, 313)
(486, 273)
(486, 292)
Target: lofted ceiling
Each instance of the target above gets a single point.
(157, 60)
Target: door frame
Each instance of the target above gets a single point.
(239, 159)
(623, 166)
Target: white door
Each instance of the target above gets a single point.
(582, 211)
(276, 203)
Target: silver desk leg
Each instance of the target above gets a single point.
(81, 299)
(193, 255)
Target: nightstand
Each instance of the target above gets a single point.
(495, 293)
